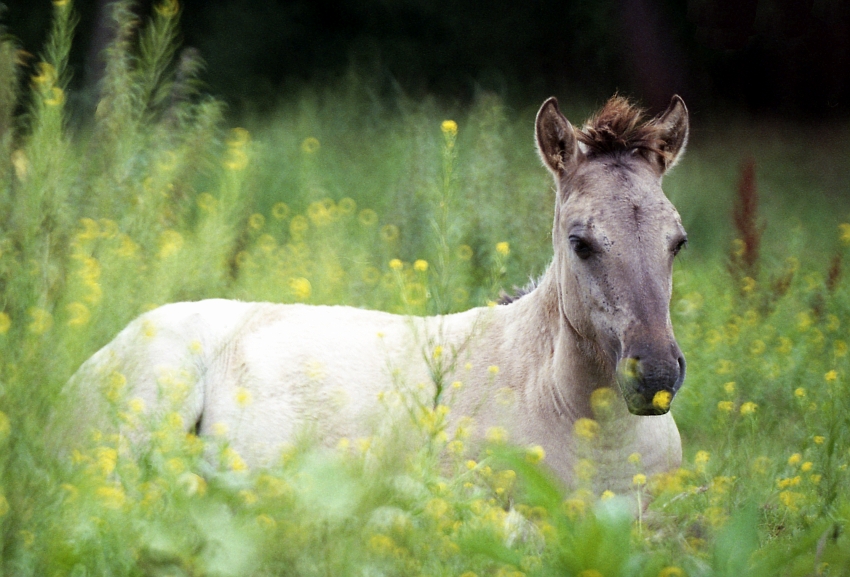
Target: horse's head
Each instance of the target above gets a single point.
(615, 238)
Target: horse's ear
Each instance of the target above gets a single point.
(673, 132)
(556, 139)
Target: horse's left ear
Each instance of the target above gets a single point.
(673, 133)
(556, 139)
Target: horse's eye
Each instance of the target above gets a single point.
(679, 246)
(581, 247)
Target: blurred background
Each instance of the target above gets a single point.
(788, 58)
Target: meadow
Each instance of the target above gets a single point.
(345, 196)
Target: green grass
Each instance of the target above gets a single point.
(341, 197)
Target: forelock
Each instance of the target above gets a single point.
(620, 126)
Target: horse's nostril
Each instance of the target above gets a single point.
(682, 365)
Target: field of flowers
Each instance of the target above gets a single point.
(342, 197)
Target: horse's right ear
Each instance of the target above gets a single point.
(556, 139)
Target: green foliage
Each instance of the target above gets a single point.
(342, 198)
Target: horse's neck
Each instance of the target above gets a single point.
(567, 369)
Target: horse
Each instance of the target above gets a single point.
(588, 351)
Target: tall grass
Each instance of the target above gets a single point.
(344, 198)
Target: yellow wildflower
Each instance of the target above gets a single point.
(794, 459)
(347, 206)
(806, 467)
(193, 484)
(602, 399)
(661, 400)
(819, 439)
(21, 164)
(234, 460)
(367, 217)
(266, 522)
(389, 232)
(237, 159)
(381, 544)
(726, 406)
(844, 229)
(301, 288)
(79, 314)
(833, 323)
(112, 497)
(5, 426)
(42, 320)
(761, 464)
(702, 457)
(136, 405)
(239, 137)
(420, 265)
(280, 210)
(503, 248)
(535, 454)
(800, 393)
(464, 252)
(749, 408)
(170, 242)
(493, 370)
(5, 323)
(671, 571)
(298, 225)
(449, 127)
(607, 494)
(497, 434)
(585, 469)
(206, 202)
(831, 376)
(455, 447)
(396, 264)
(790, 499)
(256, 221)
(57, 97)
(725, 366)
(107, 457)
(310, 145)
(46, 74)
(243, 397)
(586, 428)
(729, 388)
(748, 284)
(167, 8)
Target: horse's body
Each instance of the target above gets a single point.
(598, 319)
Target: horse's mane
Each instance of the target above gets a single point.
(622, 126)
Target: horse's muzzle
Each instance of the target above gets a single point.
(649, 385)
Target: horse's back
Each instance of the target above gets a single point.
(263, 372)
(296, 369)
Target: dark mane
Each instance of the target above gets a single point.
(622, 126)
(507, 298)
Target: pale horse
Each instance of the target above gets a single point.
(597, 320)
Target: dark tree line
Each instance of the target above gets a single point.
(779, 56)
